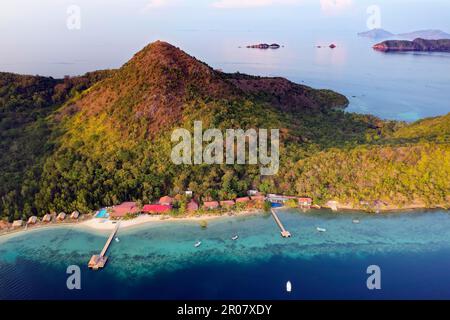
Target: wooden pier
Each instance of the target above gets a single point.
(284, 232)
(99, 261)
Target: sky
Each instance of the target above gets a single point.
(105, 33)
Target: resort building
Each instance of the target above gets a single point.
(242, 200)
(123, 209)
(3, 225)
(32, 220)
(47, 218)
(188, 193)
(17, 224)
(304, 202)
(258, 198)
(253, 192)
(166, 201)
(156, 208)
(192, 206)
(74, 215)
(61, 216)
(227, 203)
(209, 205)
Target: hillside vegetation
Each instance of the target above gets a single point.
(105, 138)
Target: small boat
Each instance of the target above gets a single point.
(321, 229)
(355, 221)
(117, 239)
(198, 244)
(288, 286)
(235, 237)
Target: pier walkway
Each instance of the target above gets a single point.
(99, 261)
(284, 232)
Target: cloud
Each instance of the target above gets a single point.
(228, 4)
(158, 3)
(335, 6)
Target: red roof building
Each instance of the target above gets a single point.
(123, 209)
(211, 205)
(304, 201)
(258, 198)
(166, 200)
(243, 199)
(192, 205)
(156, 208)
(227, 203)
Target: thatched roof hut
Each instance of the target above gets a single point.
(47, 218)
(75, 215)
(32, 220)
(17, 224)
(3, 224)
(61, 216)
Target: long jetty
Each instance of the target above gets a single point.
(99, 261)
(284, 232)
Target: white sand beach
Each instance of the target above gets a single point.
(104, 224)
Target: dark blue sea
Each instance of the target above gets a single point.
(159, 261)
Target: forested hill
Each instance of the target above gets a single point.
(86, 142)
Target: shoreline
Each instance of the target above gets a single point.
(104, 225)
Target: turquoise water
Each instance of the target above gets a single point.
(102, 214)
(159, 260)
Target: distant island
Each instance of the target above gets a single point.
(376, 34)
(431, 34)
(264, 46)
(416, 45)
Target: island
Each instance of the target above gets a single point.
(264, 46)
(416, 45)
(103, 140)
(431, 34)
